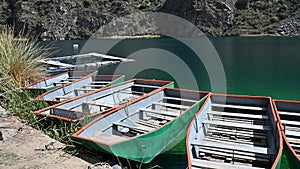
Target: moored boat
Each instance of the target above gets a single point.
(53, 82)
(288, 112)
(80, 62)
(80, 87)
(143, 129)
(233, 131)
(95, 103)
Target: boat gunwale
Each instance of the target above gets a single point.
(39, 112)
(76, 134)
(279, 152)
(281, 126)
(47, 78)
(68, 84)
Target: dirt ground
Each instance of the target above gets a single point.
(23, 147)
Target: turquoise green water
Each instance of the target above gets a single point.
(267, 66)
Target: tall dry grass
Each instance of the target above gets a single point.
(20, 58)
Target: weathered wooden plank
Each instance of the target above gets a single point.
(160, 112)
(239, 107)
(289, 113)
(218, 165)
(168, 118)
(232, 146)
(238, 125)
(145, 86)
(180, 99)
(133, 127)
(171, 105)
(241, 115)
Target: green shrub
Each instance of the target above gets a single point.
(87, 3)
(242, 4)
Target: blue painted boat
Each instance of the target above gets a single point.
(53, 82)
(80, 87)
(100, 101)
(237, 132)
(288, 112)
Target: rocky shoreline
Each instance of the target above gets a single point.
(79, 19)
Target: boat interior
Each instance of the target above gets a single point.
(61, 79)
(142, 117)
(234, 132)
(99, 101)
(78, 88)
(289, 113)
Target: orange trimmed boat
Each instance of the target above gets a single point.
(80, 87)
(98, 102)
(53, 82)
(143, 129)
(288, 112)
(234, 131)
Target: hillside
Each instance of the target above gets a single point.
(78, 19)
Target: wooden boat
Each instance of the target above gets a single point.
(82, 86)
(53, 82)
(143, 129)
(95, 103)
(237, 132)
(80, 62)
(289, 117)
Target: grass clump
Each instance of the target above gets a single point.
(20, 58)
(20, 65)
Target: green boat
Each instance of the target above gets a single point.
(143, 129)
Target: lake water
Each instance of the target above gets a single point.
(268, 66)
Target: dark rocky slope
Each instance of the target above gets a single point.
(78, 19)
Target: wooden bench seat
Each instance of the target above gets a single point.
(171, 105)
(239, 107)
(238, 134)
(289, 122)
(293, 140)
(238, 155)
(292, 133)
(238, 125)
(259, 132)
(83, 89)
(250, 154)
(99, 104)
(100, 82)
(160, 112)
(131, 92)
(240, 115)
(147, 123)
(94, 85)
(232, 146)
(289, 113)
(157, 116)
(133, 127)
(218, 165)
(146, 86)
(180, 99)
(235, 140)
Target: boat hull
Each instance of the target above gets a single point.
(146, 147)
